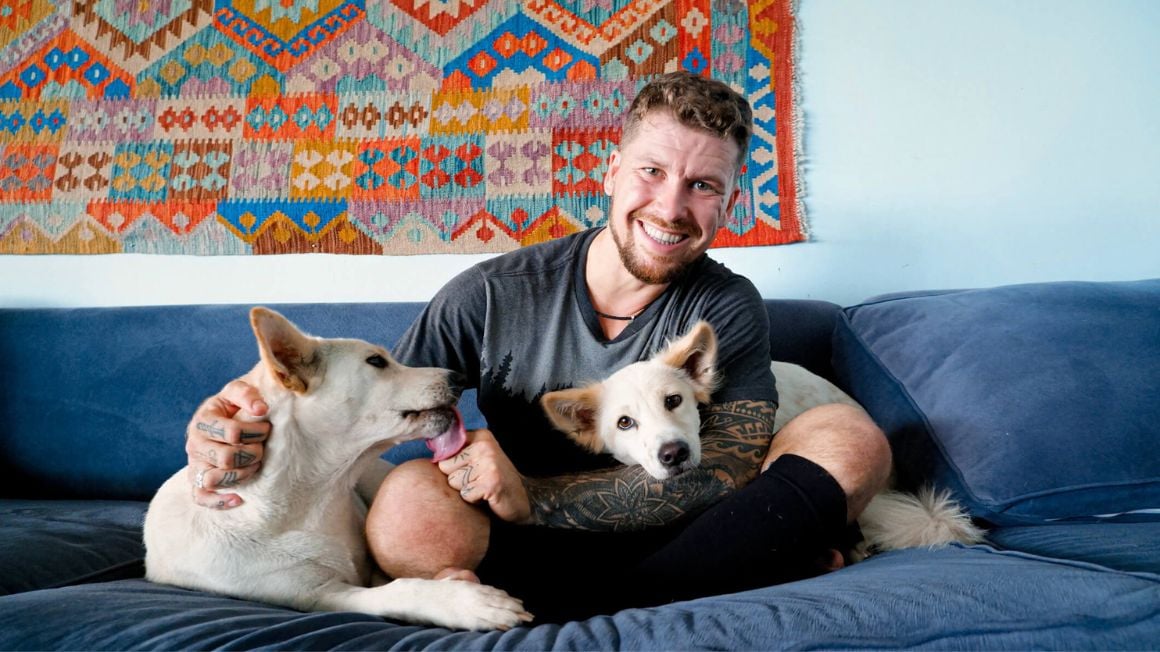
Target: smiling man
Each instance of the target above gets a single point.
(672, 188)
(564, 312)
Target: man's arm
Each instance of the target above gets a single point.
(735, 437)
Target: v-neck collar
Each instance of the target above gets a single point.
(588, 311)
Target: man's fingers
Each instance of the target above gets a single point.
(467, 480)
(482, 473)
(245, 396)
(208, 423)
(224, 445)
(461, 574)
(225, 456)
(206, 478)
(456, 462)
(215, 500)
(480, 445)
(477, 482)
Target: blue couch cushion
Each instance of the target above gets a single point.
(1031, 402)
(985, 600)
(47, 543)
(96, 401)
(1120, 543)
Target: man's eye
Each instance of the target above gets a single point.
(673, 401)
(377, 361)
(625, 423)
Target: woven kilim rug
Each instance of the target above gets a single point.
(365, 127)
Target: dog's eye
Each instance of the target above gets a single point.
(625, 423)
(377, 361)
(673, 401)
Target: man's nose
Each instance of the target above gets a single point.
(670, 202)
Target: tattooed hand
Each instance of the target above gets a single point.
(223, 451)
(482, 472)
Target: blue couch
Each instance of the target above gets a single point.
(1036, 404)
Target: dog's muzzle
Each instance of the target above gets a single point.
(673, 454)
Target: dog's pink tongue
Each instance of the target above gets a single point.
(449, 443)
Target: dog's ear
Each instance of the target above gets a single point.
(573, 411)
(696, 354)
(287, 353)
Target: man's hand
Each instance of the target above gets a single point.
(225, 450)
(481, 472)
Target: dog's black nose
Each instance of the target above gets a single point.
(674, 453)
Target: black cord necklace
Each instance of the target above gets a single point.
(618, 317)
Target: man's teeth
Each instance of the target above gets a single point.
(661, 236)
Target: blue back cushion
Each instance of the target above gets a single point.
(1031, 402)
(94, 401)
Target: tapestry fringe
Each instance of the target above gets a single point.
(797, 119)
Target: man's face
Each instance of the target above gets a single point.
(672, 187)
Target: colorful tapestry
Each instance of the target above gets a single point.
(358, 126)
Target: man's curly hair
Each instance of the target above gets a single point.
(696, 102)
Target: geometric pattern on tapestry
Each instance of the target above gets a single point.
(213, 127)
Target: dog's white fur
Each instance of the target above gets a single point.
(687, 367)
(298, 539)
(644, 392)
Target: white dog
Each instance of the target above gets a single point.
(646, 413)
(298, 539)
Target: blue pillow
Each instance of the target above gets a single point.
(1030, 402)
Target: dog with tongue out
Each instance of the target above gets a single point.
(335, 405)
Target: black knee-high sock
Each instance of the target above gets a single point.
(771, 531)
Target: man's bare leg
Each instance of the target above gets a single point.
(844, 441)
(418, 526)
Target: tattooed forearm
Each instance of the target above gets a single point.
(734, 440)
(621, 499)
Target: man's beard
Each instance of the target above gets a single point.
(641, 270)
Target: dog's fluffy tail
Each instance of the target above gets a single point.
(894, 520)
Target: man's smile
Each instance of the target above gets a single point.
(661, 237)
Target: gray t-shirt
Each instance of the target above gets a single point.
(522, 324)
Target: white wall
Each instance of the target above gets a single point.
(949, 144)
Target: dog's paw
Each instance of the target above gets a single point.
(478, 606)
(459, 604)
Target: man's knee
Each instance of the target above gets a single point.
(844, 441)
(418, 526)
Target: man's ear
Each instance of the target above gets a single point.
(287, 354)
(573, 411)
(729, 205)
(696, 354)
(610, 172)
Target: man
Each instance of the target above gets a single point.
(575, 309)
